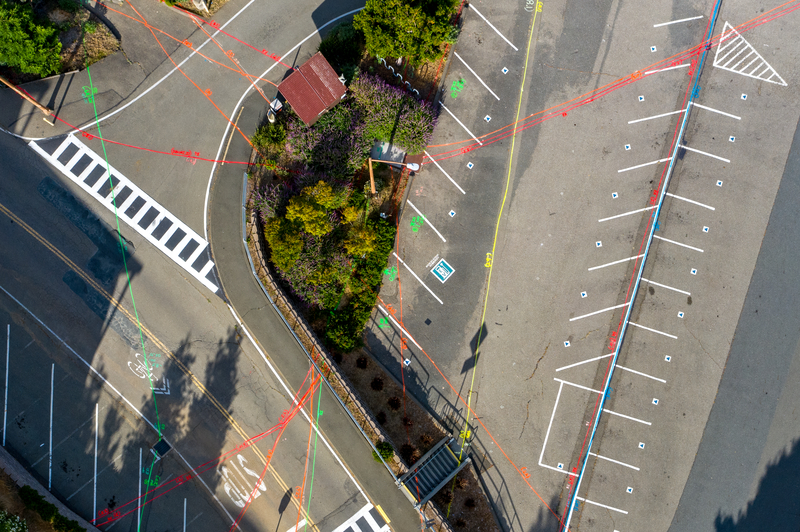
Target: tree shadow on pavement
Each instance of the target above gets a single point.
(776, 506)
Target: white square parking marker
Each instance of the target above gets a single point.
(566, 343)
(680, 314)
(694, 271)
(505, 70)
(667, 358)
(614, 195)
(627, 147)
(705, 229)
(641, 98)
(487, 118)
(655, 401)
(652, 48)
(641, 445)
(583, 294)
(744, 96)
(560, 465)
(719, 183)
(470, 165)
(732, 139)
(629, 489)
(598, 244)
(452, 213)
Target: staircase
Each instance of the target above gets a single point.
(431, 472)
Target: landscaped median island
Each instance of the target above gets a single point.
(321, 238)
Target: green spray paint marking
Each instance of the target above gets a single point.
(391, 272)
(456, 88)
(417, 222)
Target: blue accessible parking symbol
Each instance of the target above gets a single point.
(442, 270)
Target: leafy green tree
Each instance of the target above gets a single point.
(284, 241)
(323, 195)
(310, 214)
(27, 45)
(360, 241)
(413, 29)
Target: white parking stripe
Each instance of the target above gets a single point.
(584, 362)
(460, 123)
(598, 312)
(578, 386)
(587, 501)
(477, 76)
(690, 201)
(615, 262)
(693, 104)
(656, 116)
(472, 7)
(667, 287)
(427, 222)
(607, 411)
(677, 243)
(417, 278)
(653, 330)
(706, 154)
(643, 165)
(627, 213)
(665, 69)
(402, 329)
(642, 374)
(614, 461)
(677, 21)
(442, 169)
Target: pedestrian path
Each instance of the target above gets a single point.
(155, 223)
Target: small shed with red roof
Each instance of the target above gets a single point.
(312, 89)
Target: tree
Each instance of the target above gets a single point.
(26, 45)
(284, 241)
(413, 29)
(360, 241)
(312, 215)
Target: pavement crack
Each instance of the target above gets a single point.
(581, 71)
(588, 333)
(527, 415)
(701, 346)
(537, 362)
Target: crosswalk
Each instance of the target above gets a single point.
(137, 209)
(367, 519)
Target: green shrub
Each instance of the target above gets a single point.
(12, 523)
(343, 48)
(33, 500)
(90, 27)
(26, 44)
(269, 136)
(385, 450)
(70, 6)
(284, 242)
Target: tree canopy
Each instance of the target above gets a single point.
(412, 29)
(27, 45)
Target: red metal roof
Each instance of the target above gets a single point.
(312, 89)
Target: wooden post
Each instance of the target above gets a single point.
(371, 177)
(42, 108)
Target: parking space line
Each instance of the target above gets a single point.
(656, 116)
(627, 213)
(598, 312)
(98, 474)
(442, 169)
(472, 7)
(705, 153)
(614, 461)
(690, 201)
(460, 123)
(642, 374)
(665, 69)
(643, 165)
(584, 362)
(677, 21)
(477, 76)
(587, 501)
(677, 243)
(653, 330)
(50, 464)
(607, 411)
(615, 262)
(693, 104)
(667, 287)
(402, 329)
(417, 277)
(427, 222)
(578, 386)
(547, 435)
(96, 437)
(5, 392)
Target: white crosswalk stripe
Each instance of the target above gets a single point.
(367, 519)
(160, 227)
(735, 54)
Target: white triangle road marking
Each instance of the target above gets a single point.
(737, 55)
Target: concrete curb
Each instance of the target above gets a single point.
(23, 478)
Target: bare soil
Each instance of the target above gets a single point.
(11, 503)
(85, 41)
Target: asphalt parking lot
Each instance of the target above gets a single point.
(569, 246)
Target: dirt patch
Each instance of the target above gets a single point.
(11, 503)
(85, 41)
